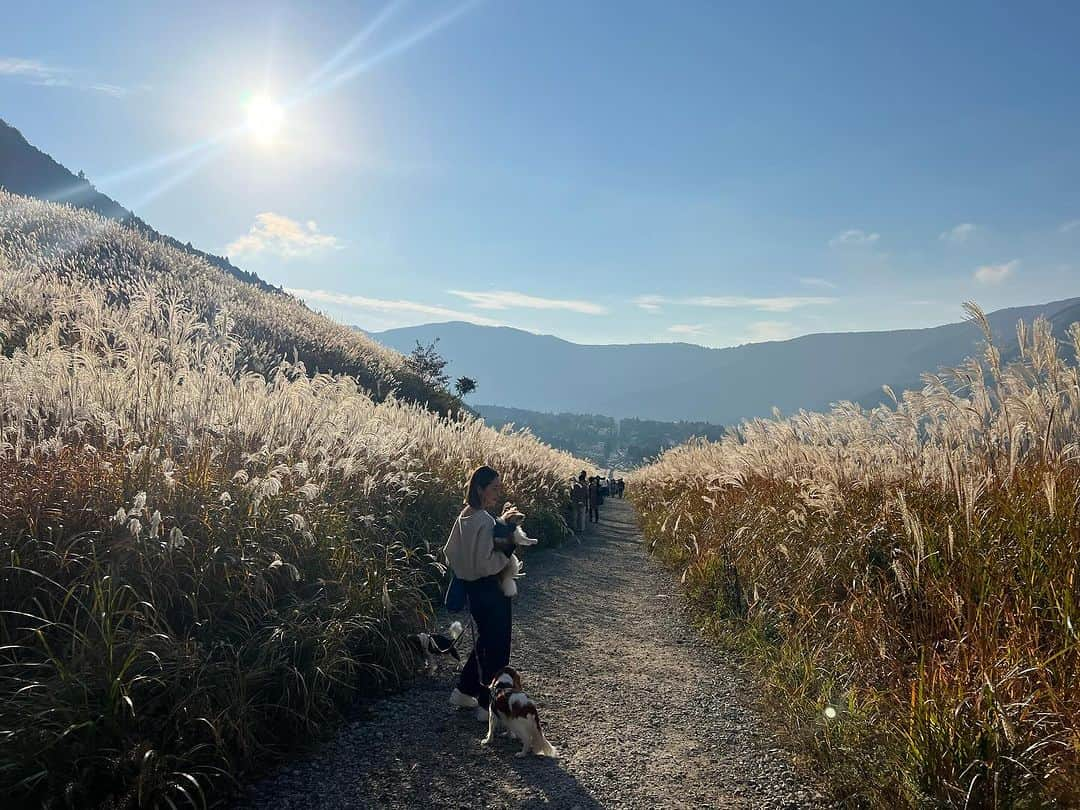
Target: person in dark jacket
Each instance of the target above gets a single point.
(579, 498)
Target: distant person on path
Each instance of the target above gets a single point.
(579, 497)
(594, 499)
(620, 487)
(477, 550)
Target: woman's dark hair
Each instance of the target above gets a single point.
(481, 477)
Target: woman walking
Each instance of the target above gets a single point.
(476, 556)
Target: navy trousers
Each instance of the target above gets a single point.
(492, 612)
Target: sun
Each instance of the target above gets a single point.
(265, 118)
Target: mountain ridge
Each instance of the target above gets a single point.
(31, 172)
(686, 381)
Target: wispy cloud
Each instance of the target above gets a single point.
(687, 329)
(1071, 225)
(995, 273)
(278, 235)
(506, 299)
(761, 331)
(649, 303)
(783, 303)
(960, 233)
(384, 306)
(854, 238)
(812, 281)
(777, 304)
(38, 73)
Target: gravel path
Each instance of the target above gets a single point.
(644, 713)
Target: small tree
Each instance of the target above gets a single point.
(429, 364)
(464, 386)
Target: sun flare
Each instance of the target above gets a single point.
(264, 119)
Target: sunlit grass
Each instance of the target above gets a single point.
(906, 579)
(205, 551)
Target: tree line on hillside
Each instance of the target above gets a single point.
(602, 439)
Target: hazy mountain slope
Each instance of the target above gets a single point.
(80, 249)
(26, 170)
(675, 381)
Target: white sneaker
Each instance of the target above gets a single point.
(460, 700)
(481, 714)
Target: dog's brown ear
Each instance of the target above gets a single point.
(515, 676)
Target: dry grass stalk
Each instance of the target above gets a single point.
(205, 551)
(906, 577)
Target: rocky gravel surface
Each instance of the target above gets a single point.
(644, 712)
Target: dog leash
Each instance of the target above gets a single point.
(472, 630)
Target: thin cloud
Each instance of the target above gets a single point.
(783, 303)
(687, 329)
(959, 234)
(1071, 225)
(649, 303)
(813, 281)
(761, 331)
(384, 306)
(776, 304)
(854, 238)
(506, 299)
(995, 273)
(35, 72)
(278, 235)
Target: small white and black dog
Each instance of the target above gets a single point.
(514, 567)
(516, 712)
(433, 645)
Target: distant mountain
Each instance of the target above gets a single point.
(26, 170)
(680, 381)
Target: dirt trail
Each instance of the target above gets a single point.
(644, 713)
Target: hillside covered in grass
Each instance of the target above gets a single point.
(206, 551)
(80, 247)
(27, 171)
(906, 579)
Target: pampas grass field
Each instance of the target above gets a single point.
(906, 580)
(218, 516)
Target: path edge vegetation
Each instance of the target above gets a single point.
(904, 581)
(208, 549)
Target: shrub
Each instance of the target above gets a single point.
(906, 579)
(201, 563)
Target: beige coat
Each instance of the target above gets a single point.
(470, 549)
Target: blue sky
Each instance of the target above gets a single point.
(604, 171)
